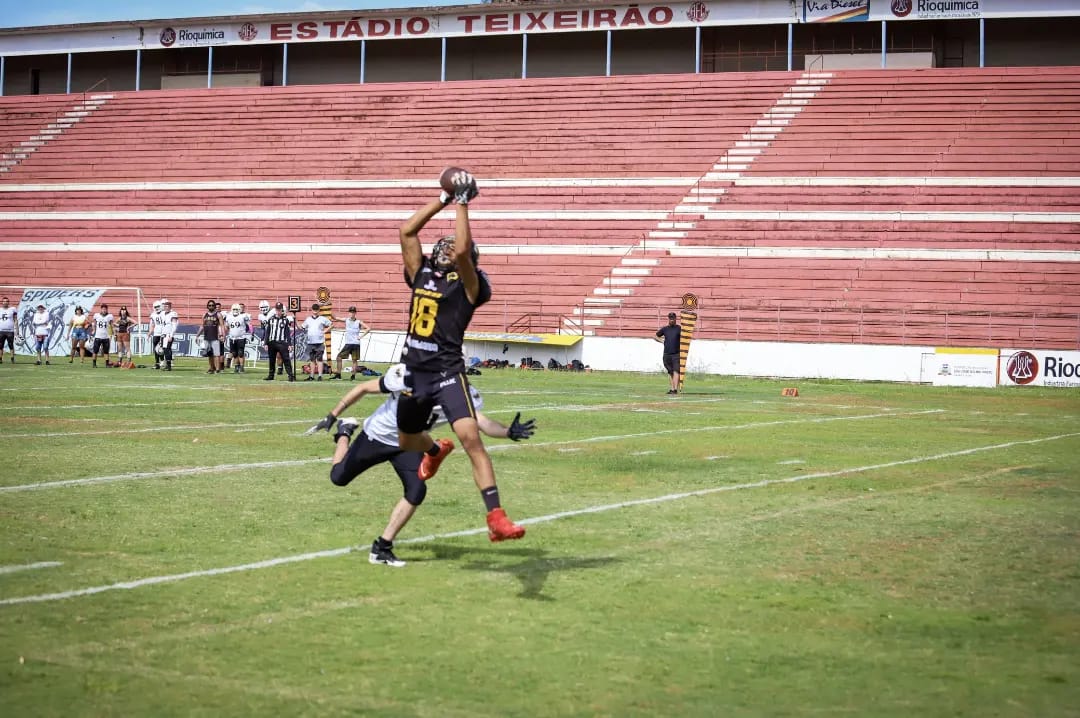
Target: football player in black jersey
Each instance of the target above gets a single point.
(447, 287)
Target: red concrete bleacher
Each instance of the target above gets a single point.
(266, 192)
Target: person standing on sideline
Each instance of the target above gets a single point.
(671, 337)
(102, 322)
(316, 326)
(446, 290)
(154, 329)
(124, 323)
(277, 331)
(78, 335)
(378, 443)
(238, 325)
(9, 318)
(350, 345)
(170, 321)
(40, 323)
(210, 331)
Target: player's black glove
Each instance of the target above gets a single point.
(324, 425)
(519, 431)
(466, 192)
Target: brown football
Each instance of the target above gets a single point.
(453, 178)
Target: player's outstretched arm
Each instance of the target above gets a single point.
(515, 432)
(409, 233)
(371, 386)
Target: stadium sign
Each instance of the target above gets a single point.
(1037, 367)
(934, 9)
(507, 20)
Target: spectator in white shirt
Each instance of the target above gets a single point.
(350, 345)
(315, 326)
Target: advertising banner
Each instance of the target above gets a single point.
(965, 367)
(1038, 367)
(836, 10)
(59, 303)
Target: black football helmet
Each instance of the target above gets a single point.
(440, 254)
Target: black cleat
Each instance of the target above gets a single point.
(385, 556)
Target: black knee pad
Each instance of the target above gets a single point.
(415, 491)
(338, 477)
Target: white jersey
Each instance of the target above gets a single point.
(169, 321)
(8, 318)
(238, 325)
(102, 322)
(157, 323)
(381, 426)
(353, 329)
(41, 324)
(316, 329)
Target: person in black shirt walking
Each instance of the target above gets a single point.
(277, 331)
(671, 337)
(446, 289)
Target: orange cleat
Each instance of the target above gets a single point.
(430, 464)
(501, 528)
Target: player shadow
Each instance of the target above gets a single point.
(532, 571)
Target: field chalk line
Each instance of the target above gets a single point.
(192, 471)
(138, 583)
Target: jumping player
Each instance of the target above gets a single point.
(447, 287)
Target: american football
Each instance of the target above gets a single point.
(453, 178)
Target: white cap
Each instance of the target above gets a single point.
(157, 304)
(166, 301)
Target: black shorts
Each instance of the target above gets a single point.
(351, 351)
(7, 338)
(101, 346)
(237, 346)
(315, 351)
(427, 390)
(671, 363)
(365, 453)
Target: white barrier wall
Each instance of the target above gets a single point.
(860, 362)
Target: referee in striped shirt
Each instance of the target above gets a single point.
(277, 331)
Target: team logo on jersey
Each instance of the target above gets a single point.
(1022, 368)
(452, 277)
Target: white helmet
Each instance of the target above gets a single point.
(166, 301)
(157, 304)
(236, 309)
(264, 305)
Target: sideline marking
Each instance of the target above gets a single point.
(29, 566)
(296, 558)
(301, 462)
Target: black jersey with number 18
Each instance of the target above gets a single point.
(438, 318)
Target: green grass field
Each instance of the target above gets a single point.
(172, 545)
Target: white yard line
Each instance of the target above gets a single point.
(171, 578)
(188, 427)
(191, 471)
(148, 403)
(29, 566)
